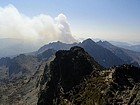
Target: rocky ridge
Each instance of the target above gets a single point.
(76, 79)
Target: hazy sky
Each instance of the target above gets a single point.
(104, 19)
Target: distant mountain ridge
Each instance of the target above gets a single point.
(103, 52)
(103, 55)
(130, 57)
(124, 45)
(22, 63)
(56, 46)
(22, 66)
(12, 47)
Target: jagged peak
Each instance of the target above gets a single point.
(88, 41)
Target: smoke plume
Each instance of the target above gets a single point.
(42, 28)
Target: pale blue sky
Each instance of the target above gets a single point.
(105, 19)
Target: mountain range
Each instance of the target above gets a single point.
(85, 73)
(73, 77)
(105, 54)
(11, 47)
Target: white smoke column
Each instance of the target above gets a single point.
(63, 26)
(41, 28)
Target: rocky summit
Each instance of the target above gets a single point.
(67, 70)
(76, 79)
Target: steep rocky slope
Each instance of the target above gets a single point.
(22, 66)
(46, 54)
(19, 77)
(76, 79)
(117, 86)
(24, 92)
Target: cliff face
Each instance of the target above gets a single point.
(74, 78)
